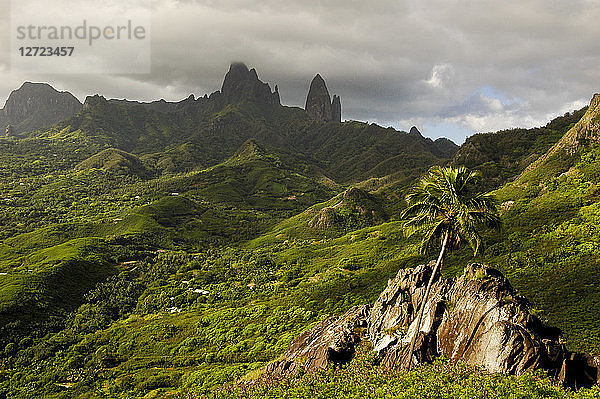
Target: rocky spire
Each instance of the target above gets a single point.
(318, 101)
(242, 84)
(336, 109)
(276, 97)
(94, 101)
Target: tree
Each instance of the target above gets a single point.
(445, 207)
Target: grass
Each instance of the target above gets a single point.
(361, 379)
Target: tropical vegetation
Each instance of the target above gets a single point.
(172, 250)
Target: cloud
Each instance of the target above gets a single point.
(469, 65)
(440, 74)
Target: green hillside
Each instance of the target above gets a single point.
(171, 249)
(503, 155)
(113, 160)
(131, 216)
(201, 133)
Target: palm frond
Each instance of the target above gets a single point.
(445, 201)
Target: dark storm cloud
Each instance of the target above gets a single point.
(475, 65)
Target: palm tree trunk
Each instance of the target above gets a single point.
(438, 263)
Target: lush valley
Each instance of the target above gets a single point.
(162, 249)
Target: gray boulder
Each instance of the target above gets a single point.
(476, 318)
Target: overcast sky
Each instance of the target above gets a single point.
(452, 68)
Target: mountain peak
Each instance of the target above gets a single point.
(243, 84)
(238, 66)
(37, 85)
(446, 147)
(318, 79)
(36, 105)
(250, 150)
(319, 104)
(96, 99)
(586, 131)
(336, 109)
(238, 71)
(415, 132)
(115, 160)
(33, 89)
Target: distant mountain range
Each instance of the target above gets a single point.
(192, 133)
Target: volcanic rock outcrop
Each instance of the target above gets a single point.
(476, 318)
(332, 341)
(586, 131)
(319, 104)
(243, 84)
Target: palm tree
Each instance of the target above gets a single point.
(445, 208)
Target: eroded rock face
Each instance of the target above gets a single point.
(500, 335)
(318, 101)
(584, 133)
(94, 101)
(391, 320)
(476, 318)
